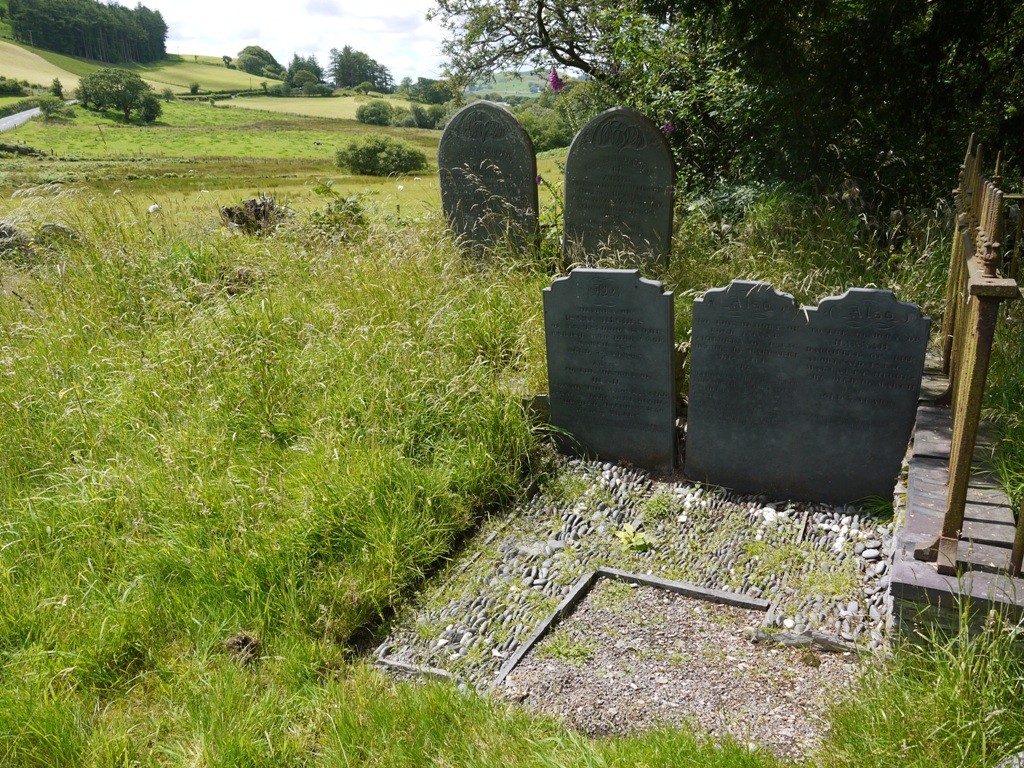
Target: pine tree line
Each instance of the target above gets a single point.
(92, 30)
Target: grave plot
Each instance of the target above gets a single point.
(632, 657)
(822, 569)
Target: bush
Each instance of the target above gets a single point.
(53, 108)
(150, 108)
(375, 113)
(193, 88)
(377, 155)
(168, 94)
(11, 87)
(403, 118)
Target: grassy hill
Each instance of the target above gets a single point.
(513, 84)
(175, 72)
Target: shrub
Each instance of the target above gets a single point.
(11, 87)
(168, 94)
(193, 88)
(403, 118)
(375, 113)
(150, 108)
(377, 155)
(53, 108)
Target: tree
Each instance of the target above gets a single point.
(259, 61)
(227, 61)
(56, 89)
(880, 92)
(51, 108)
(308, 66)
(86, 28)
(118, 89)
(350, 67)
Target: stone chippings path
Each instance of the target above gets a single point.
(639, 655)
(823, 568)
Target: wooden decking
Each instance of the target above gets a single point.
(920, 594)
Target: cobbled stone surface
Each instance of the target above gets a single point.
(803, 558)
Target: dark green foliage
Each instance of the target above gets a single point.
(431, 91)
(92, 30)
(56, 89)
(53, 108)
(376, 112)
(193, 88)
(150, 108)
(350, 67)
(303, 71)
(11, 87)
(874, 95)
(546, 127)
(167, 94)
(118, 89)
(259, 61)
(378, 155)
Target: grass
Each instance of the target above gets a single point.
(19, 63)
(339, 107)
(207, 434)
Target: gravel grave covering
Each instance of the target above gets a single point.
(823, 568)
(638, 657)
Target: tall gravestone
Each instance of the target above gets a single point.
(619, 188)
(488, 173)
(611, 377)
(815, 403)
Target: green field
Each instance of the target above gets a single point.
(176, 72)
(511, 84)
(340, 107)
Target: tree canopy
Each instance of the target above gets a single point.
(880, 93)
(119, 89)
(90, 29)
(259, 61)
(349, 68)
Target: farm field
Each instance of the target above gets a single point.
(337, 107)
(196, 151)
(176, 72)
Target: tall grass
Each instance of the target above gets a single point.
(206, 435)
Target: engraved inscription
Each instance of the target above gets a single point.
(814, 403)
(610, 373)
(619, 188)
(488, 169)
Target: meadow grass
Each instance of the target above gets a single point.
(19, 63)
(337, 107)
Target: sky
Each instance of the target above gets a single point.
(393, 32)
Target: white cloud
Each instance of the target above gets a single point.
(397, 35)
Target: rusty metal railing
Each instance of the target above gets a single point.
(973, 295)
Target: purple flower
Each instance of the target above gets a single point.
(539, 180)
(557, 83)
(667, 128)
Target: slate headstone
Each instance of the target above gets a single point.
(619, 188)
(488, 173)
(611, 378)
(815, 403)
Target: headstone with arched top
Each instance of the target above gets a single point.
(619, 189)
(488, 173)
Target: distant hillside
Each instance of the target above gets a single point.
(39, 67)
(521, 84)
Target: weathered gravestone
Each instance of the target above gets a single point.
(488, 175)
(619, 188)
(815, 403)
(611, 378)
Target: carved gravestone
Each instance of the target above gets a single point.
(488, 173)
(815, 403)
(611, 377)
(619, 188)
